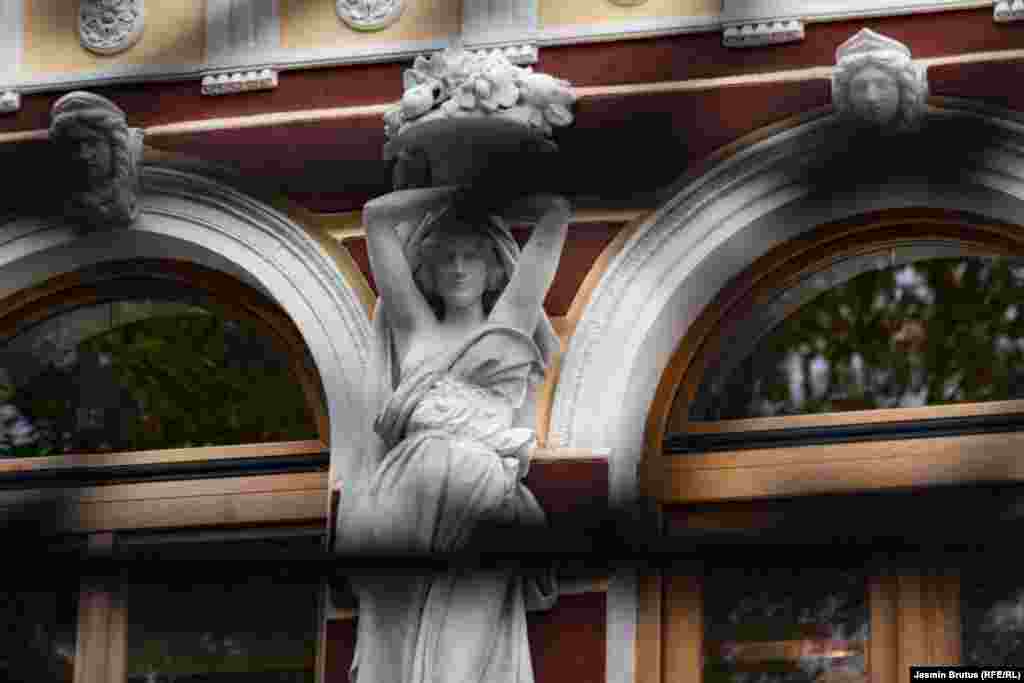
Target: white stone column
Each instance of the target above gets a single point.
(11, 29)
(239, 33)
(487, 23)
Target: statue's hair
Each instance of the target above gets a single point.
(458, 225)
(909, 77)
(113, 201)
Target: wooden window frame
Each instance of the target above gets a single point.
(914, 621)
(84, 288)
(862, 462)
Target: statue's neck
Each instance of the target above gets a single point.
(464, 318)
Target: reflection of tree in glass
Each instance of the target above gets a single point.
(37, 632)
(169, 381)
(264, 629)
(937, 331)
(747, 606)
(992, 608)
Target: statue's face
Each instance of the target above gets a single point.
(91, 150)
(875, 95)
(460, 270)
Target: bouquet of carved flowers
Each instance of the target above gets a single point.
(456, 83)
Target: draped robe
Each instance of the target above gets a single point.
(452, 466)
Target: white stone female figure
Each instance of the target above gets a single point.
(463, 336)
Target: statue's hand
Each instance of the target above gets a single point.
(412, 169)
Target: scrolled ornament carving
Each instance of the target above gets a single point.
(102, 155)
(876, 84)
(369, 15)
(110, 26)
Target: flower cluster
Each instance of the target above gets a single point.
(456, 83)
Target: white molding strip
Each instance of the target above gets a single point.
(11, 42)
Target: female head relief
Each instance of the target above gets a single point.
(461, 258)
(103, 152)
(875, 82)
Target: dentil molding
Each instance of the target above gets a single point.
(10, 100)
(233, 82)
(763, 33)
(1008, 10)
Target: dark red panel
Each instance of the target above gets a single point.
(567, 642)
(702, 55)
(994, 82)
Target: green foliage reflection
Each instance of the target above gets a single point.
(934, 332)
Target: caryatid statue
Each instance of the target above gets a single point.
(103, 154)
(876, 83)
(462, 337)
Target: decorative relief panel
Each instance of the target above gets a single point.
(877, 84)
(369, 15)
(110, 26)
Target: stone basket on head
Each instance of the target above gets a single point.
(468, 112)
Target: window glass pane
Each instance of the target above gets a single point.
(230, 623)
(785, 626)
(146, 373)
(872, 334)
(37, 633)
(992, 618)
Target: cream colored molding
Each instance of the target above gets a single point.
(369, 15)
(107, 27)
(11, 28)
(240, 33)
(239, 81)
(495, 22)
(1008, 10)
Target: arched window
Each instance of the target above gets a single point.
(123, 362)
(901, 329)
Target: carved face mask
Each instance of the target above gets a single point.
(91, 150)
(875, 95)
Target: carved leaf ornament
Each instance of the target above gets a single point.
(110, 26)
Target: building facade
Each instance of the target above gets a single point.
(780, 442)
